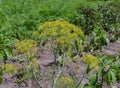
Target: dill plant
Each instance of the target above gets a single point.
(8, 69)
(26, 48)
(64, 39)
(27, 62)
(64, 82)
(61, 33)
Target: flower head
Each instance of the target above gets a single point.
(91, 60)
(60, 31)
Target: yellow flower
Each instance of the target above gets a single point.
(66, 80)
(92, 61)
(26, 47)
(9, 68)
(63, 32)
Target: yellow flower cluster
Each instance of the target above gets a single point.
(26, 47)
(64, 82)
(9, 68)
(91, 60)
(63, 32)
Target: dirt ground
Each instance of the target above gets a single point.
(47, 61)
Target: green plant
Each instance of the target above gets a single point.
(17, 18)
(87, 16)
(27, 48)
(109, 69)
(5, 48)
(25, 57)
(87, 19)
(60, 34)
(1, 74)
(63, 38)
(21, 18)
(102, 70)
(8, 69)
(92, 61)
(100, 39)
(110, 19)
(106, 16)
(64, 82)
(108, 72)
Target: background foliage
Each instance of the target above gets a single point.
(19, 19)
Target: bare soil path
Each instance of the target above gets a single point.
(112, 49)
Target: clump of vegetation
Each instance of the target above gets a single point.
(64, 38)
(102, 18)
(26, 47)
(5, 48)
(23, 65)
(28, 63)
(64, 82)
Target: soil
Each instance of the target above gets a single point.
(47, 62)
(112, 49)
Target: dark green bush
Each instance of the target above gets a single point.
(102, 22)
(106, 15)
(111, 19)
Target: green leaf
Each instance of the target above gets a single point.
(107, 41)
(93, 79)
(1, 79)
(109, 57)
(1, 75)
(88, 69)
(87, 86)
(113, 75)
(8, 52)
(98, 85)
(1, 55)
(115, 68)
(107, 77)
